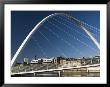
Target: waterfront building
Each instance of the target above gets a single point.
(26, 61)
(46, 60)
(37, 61)
(34, 61)
(96, 60)
(42, 60)
(67, 61)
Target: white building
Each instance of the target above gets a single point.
(34, 61)
(26, 60)
(42, 60)
(47, 60)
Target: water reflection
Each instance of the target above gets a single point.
(80, 74)
(62, 74)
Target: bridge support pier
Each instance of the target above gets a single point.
(34, 74)
(59, 73)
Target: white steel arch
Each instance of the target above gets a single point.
(40, 23)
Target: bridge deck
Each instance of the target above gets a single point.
(59, 69)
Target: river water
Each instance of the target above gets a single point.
(81, 74)
(62, 74)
